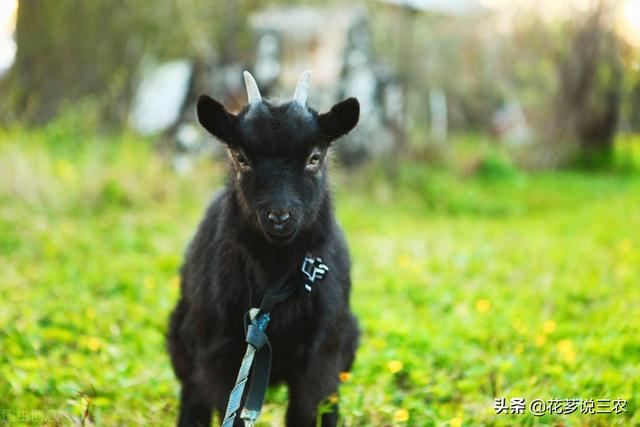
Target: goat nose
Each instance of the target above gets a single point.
(279, 217)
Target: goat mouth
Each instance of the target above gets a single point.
(283, 237)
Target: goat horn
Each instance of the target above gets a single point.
(253, 93)
(300, 95)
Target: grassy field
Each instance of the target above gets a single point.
(467, 289)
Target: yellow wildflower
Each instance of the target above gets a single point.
(401, 415)
(519, 349)
(483, 305)
(455, 422)
(404, 260)
(149, 282)
(94, 343)
(549, 327)
(541, 340)
(344, 376)
(333, 398)
(394, 366)
(566, 350)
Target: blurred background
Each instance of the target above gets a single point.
(490, 194)
(551, 83)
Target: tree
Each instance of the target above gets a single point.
(68, 49)
(589, 96)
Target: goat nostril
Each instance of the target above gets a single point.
(279, 217)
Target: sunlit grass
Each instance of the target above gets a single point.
(466, 289)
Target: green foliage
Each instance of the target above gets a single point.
(467, 289)
(627, 154)
(496, 166)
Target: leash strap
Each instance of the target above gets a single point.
(259, 348)
(235, 398)
(259, 375)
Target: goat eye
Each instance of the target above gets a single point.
(314, 160)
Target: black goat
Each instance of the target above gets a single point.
(275, 208)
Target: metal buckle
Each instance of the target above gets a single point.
(314, 269)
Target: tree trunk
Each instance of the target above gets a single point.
(588, 106)
(68, 49)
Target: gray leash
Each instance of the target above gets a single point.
(249, 416)
(259, 348)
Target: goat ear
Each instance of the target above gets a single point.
(216, 119)
(340, 119)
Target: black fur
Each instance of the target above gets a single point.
(237, 252)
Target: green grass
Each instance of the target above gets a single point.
(466, 288)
